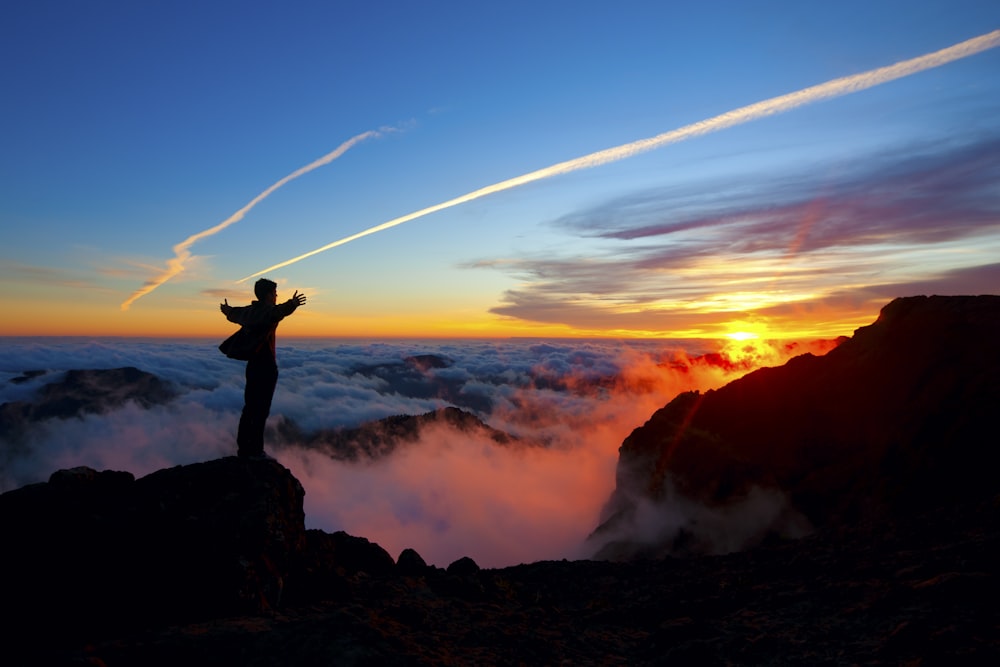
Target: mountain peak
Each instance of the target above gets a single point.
(891, 422)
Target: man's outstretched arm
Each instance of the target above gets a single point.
(232, 313)
(288, 307)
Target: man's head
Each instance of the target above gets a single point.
(266, 290)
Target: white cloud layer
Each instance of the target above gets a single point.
(447, 496)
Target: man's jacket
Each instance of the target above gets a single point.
(258, 323)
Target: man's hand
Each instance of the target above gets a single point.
(225, 307)
(297, 299)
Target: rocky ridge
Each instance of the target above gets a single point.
(79, 392)
(210, 564)
(898, 419)
(380, 438)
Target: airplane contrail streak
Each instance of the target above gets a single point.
(182, 251)
(774, 105)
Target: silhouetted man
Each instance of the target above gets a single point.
(258, 322)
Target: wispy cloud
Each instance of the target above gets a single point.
(925, 195)
(182, 251)
(769, 107)
(29, 274)
(910, 219)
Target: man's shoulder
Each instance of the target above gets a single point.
(259, 312)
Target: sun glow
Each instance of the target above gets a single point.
(742, 335)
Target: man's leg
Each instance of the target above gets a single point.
(262, 377)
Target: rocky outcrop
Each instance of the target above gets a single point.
(91, 554)
(90, 548)
(914, 592)
(898, 419)
(416, 377)
(378, 439)
(80, 392)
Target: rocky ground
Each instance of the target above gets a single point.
(922, 592)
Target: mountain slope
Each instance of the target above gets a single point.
(897, 419)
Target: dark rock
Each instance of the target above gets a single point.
(415, 377)
(88, 481)
(896, 420)
(348, 554)
(379, 439)
(81, 392)
(462, 567)
(92, 548)
(97, 551)
(411, 564)
(243, 519)
(921, 588)
(27, 376)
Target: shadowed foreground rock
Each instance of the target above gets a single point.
(917, 592)
(100, 549)
(210, 564)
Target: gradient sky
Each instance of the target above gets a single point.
(129, 127)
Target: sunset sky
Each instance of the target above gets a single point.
(134, 128)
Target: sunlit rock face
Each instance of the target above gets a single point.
(898, 419)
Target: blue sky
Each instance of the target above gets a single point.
(130, 126)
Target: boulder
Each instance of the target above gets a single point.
(411, 564)
(95, 550)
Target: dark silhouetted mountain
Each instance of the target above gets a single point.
(80, 392)
(380, 438)
(210, 564)
(27, 376)
(898, 419)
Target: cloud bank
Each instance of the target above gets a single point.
(449, 495)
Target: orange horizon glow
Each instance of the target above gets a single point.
(208, 323)
(325, 316)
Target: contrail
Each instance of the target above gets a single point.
(769, 107)
(182, 251)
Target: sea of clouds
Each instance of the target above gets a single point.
(452, 494)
